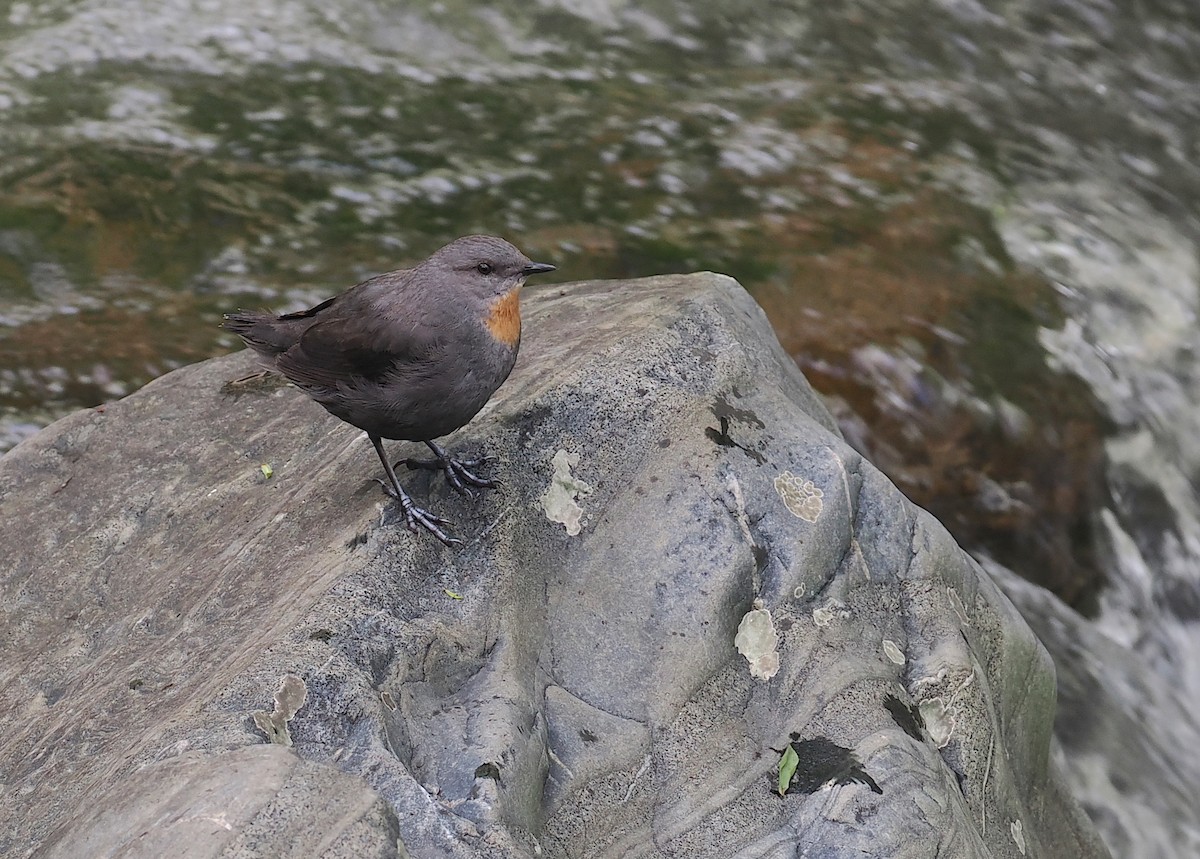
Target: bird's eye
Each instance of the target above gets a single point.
(483, 268)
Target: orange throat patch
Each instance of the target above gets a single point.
(504, 318)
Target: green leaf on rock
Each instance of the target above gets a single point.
(787, 768)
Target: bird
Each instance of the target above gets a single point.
(410, 355)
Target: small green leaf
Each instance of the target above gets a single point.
(787, 768)
(452, 594)
(266, 470)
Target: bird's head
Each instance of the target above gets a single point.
(486, 265)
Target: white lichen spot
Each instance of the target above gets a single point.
(757, 640)
(832, 609)
(938, 722)
(739, 501)
(960, 609)
(893, 652)
(801, 497)
(289, 698)
(559, 499)
(1018, 835)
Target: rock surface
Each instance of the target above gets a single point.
(574, 693)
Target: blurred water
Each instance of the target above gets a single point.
(974, 227)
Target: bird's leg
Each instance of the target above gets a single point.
(413, 514)
(457, 471)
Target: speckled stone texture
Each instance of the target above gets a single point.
(535, 692)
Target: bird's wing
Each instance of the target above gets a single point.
(312, 311)
(344, 348)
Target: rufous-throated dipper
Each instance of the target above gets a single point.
(411, 354)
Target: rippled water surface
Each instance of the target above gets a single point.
(974, 226)
(168, 162)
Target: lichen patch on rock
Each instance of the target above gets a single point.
(757, 640)
(560, 498)
(802, 497)
(289, 698)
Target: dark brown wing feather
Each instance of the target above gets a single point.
(340, 339)
(349, 348)
(312, 311)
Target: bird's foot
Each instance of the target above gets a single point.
(414, 516)
(458, 472)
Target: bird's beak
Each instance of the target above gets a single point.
(537, 268)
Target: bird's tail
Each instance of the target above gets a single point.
(263, 332)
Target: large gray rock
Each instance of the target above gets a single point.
(567, 682)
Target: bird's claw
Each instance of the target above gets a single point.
(458, 472)
(417, 518)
